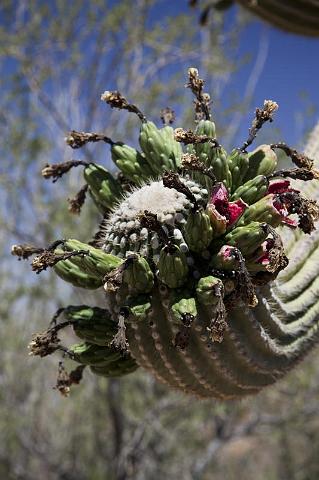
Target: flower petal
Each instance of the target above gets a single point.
(219, 194)
(281, 186)
(235, 210)
(218, 221)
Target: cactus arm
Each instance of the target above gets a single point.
(294, 16)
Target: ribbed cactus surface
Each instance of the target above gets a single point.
(204, 286)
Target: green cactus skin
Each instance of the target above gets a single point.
(257, 350)
(159, 147)
(96, 262)
(198, 231)
(238, 165)
(138, 275)
(183, 306)
(103, 360)
(172, 267)
(92, 324)
(205, 290)
(118, 368)
(247, 238)
(131, 162)
(262, 161)
(180, 294)
(253, 190)
(103, 187)
(93, 355)
(71, 273)
(261, 211)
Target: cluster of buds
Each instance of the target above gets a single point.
(186, 237)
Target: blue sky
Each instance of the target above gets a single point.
(289, 76)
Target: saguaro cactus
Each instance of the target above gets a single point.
(296, 16)
(188, 254)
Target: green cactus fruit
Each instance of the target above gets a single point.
(96, 262)
(215, 157)
(118, 368)
(253, 190)
(172, 266)
(92, 324)
(205, 127)
(183, 314)
(160, 148)
(248, 238)
(94, 355)
(204, 151)
(262, 161)
(225, 259)
(97, 333)
(171, 144)
(76, 313)
(238, 165)
(210, 294)
(198, 231)
(138, 274)
(184, 306)
(207, 290)
(263, 211)
(221, 168)
(131, 162)
(103, 188)
(72, 273)
(137, 308)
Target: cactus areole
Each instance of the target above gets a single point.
(187, 249)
